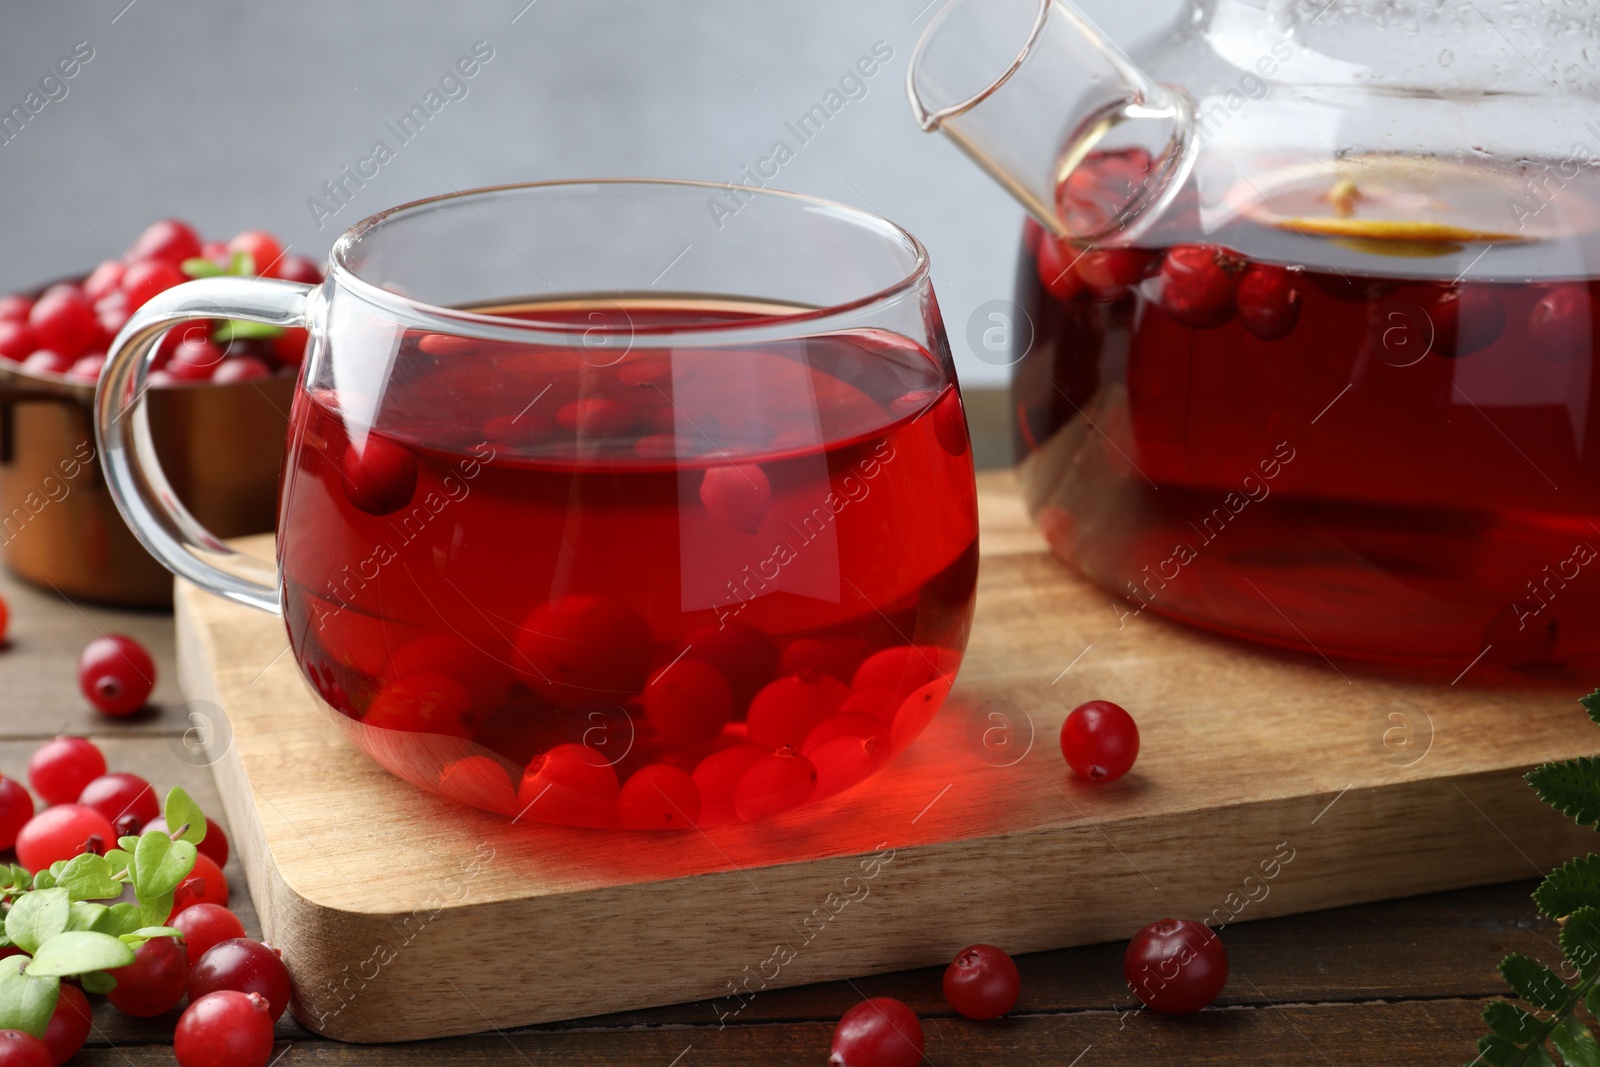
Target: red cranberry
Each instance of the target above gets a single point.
(881, 1032)
(1198, 284)
(119, 794)
(786, 710)
(1176, 966)
(1466, 319)
(1100, 190)
(1058, 271)
(116, 674)
(571, 784)
(737, 495)
(1111, 272)
(1269, 301)
(147, 277)
(16, 340)
(380, 474)
(774, 783)
(104, 279)
(46, 361)
(224, 1029)
(298, 269)
(717, 779)
(18, 1049)
(658, 797)
(62, 832)
(206, 884)
(206, 925)
(69, 1024)
(1562, 324)
(262, 248)
(1100, 741)
(579, 649)
(903, 669)
(688, 702)
(245, 966)
(88, 368)
(166, 239)
(194, 359)
(14, 308)
(60, 769)
(240, 369)
(216, 252)
(982, 982)
(16, 808)
(64, 322)
(112, 313)
(154, 982)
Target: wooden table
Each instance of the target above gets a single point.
(1397, 982)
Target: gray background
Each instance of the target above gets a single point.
(232, 115)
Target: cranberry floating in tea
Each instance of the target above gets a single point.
(1313, 298)
(602, 508)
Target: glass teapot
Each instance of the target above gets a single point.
(1312, 293)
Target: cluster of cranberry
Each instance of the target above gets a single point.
(1197, 285)
(1172, 966)
(67, 329)
(237, 987)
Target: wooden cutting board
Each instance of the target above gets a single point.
(1267, 784)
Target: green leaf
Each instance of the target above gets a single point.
(89, 877)
(44, 880)
(26, 1001)
(128, 844)
(14, 879)
(161, 864)
(182, 811)
(1534, 982)
(243, 264)
(37, 917)
(1572, 787)
(1511, 1022)
(153, 911)
(77, 952)
(1495, 1051)
(244, 330)
(1580, 940)
(1575, 1043)
(123, 919)
(147, 932)
(98, 982)
(88, 916)
(200, 267)
(1573, 885)
(120, 861)
(1591, 704)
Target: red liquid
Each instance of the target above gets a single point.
(690, 587)
(1409, 474)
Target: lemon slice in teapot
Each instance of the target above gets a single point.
(1402, 205)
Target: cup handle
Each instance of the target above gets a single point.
(127, 452)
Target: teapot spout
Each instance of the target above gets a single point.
(1029, 89)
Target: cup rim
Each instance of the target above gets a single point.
(349, 278)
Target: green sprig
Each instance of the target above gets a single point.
(56, 916)
(1570, 894)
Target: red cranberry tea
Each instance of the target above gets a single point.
(683, 586)
(1349, 419)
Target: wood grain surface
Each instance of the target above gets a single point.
(1267, 785)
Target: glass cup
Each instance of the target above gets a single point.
(636, 504)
